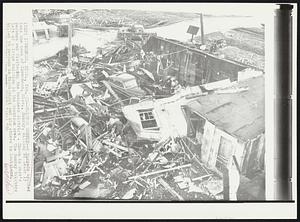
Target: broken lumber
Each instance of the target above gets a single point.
(100, 136)
(47, 120)
(88, 137)
(160, 171)
(169, 188)
(116, 146)
(202, 177)
(114, 152)
(112, 91)
(48, 110)
(84, 185)
(79, 174)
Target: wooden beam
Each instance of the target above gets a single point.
(49, 110)
(114, 152)
(112, 92)
(79, 174)
(202, 177)
(116, 146)
(160, 171)
(88, 137)
(169, 188)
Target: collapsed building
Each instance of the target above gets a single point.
(226, 123)
(190, 65)
(158, 119)
(154, 120)
(228, 128)
(220, 128)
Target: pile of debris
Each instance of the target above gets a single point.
(244, 45)
(74, 160)
(84, 146)
(123, 17)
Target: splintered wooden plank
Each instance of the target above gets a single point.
(160, 171)
(88, 136)
(112, 92)
(169, 188)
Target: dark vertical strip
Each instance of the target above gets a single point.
(225, 184)
(202, 29)
(283, 105)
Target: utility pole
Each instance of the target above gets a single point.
(70, 44)
(202, 28)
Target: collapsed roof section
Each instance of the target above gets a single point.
(237, 109)
(159, 119)
(239, 113)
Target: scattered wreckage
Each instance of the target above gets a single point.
(112, 129)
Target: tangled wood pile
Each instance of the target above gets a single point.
(83, 145)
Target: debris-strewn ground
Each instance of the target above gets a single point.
(83, 145)
(123, 17)
(245, 45)
(120, 17)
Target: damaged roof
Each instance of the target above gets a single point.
(240, 114)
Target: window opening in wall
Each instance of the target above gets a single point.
(147, 119)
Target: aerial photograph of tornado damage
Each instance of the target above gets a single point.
(137, 105)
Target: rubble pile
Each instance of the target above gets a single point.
(122, 17)
(244, 45)
(110, 169)
(84, 146)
